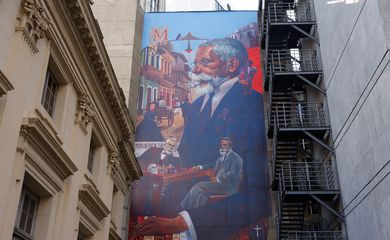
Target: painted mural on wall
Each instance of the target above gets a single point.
(200, 136)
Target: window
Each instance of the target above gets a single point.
(147, 56)
(91, 155)
(81, 236)
(152, 61)
(49, 94)
(249, 35)
(157, 61)
(291, 15)
(148, 96)
(295, 59)
(155, 94)
(114, 204)
(26, 215)
(154, 6)
(84, 233)
(95, 156)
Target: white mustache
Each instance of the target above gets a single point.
(223, 151)
(198, 79)
(203, 78)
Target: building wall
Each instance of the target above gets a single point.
(354, 37)
(48, 154)
(121, 22)
(153, 5)
(200, 5)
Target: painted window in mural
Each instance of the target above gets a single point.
(200, 136)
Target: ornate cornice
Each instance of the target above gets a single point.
(5, 85)
(91, 199)
(113, 234)
(100, 62)
(127, 153)
(113, 162)
(88, 221)
(39, 137)
(85, 111)
(118, 174)
(38, 171)
(90, 35)
(33, 22)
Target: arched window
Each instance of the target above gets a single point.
(149, 96)
(155, 94)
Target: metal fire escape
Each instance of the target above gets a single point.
(303, 159)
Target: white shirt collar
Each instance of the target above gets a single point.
(219, 94)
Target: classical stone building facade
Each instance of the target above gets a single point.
(121, 22)
(66, 151)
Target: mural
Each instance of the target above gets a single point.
(200, 136)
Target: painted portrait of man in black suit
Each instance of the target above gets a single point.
(224, 109)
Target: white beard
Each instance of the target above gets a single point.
(168, 152)
(206, 84)
(223, 152)
(204, 89)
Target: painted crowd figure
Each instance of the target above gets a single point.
(147, 130)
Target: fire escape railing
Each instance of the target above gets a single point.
(274, 142)
(305, 186)
(300, 115)
(308, 176)
(279, 216)
(277, 227)
(290, 12)
(315, 235)
(293, 60)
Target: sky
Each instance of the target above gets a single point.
(204, 5)
(205, 25)
(240, 4)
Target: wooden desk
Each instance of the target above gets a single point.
(165, 179)
(162, 180)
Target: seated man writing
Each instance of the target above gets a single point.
(225, 179)
(160, 160)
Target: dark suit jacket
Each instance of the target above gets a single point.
(237, 116)
(228, 171)
(240, 117)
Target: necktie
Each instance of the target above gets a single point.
(206, 111)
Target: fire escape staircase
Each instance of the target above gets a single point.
(287, 22)
(298, 179)
(274, 100)
(296, 124)
(283, 151)
(299, 182)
